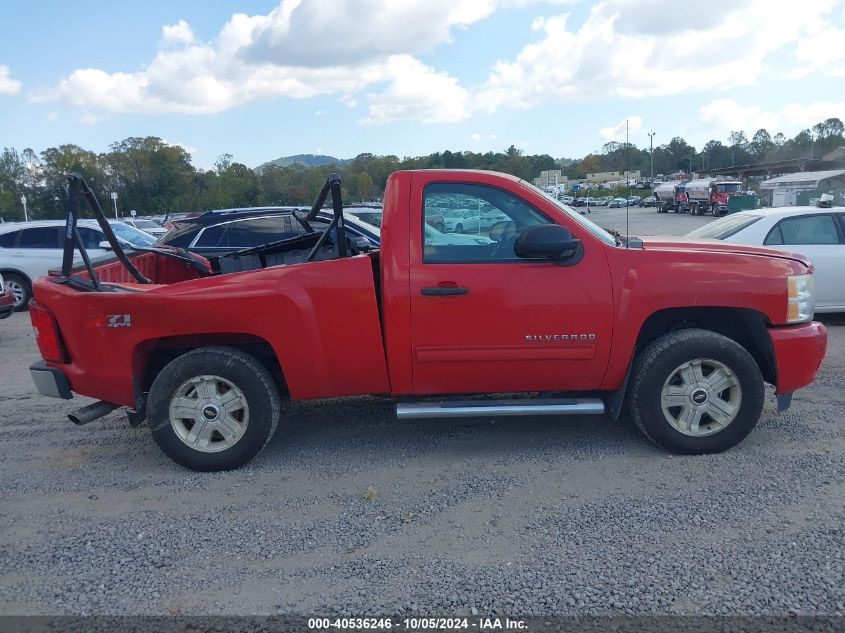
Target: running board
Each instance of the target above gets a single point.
(478, 408)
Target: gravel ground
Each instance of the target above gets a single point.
(533, 516)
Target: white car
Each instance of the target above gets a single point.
(30, 249)
(433, 237)
(815, 232)
(462, 221)
(147, 226)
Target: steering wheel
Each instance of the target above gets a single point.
(504, 245)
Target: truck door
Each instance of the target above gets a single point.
(484, 320)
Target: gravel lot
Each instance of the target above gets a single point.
(510, 516)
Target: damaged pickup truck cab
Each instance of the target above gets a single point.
(541, 313)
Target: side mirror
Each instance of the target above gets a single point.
(549, 241)
(362, 244)
(105, 245)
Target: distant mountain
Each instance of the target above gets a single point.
(309, 160)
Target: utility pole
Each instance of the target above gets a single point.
(23, 202)
(651, 151)
(114, 199)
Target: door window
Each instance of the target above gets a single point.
(7, 240)
(814, 229)
(497, 218)
(91, 238)
(40, 237)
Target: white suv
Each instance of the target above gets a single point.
(30, 249)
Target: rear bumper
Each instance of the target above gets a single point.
(799, 351)
(50, 381)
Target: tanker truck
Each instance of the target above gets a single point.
(670, 196)
(711, 194)
(664, 196)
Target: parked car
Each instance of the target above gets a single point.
(634, 200)
(216, 233)
(667, 330)
(7, 301)
(29, 249)
(616, 203)
(817, 234)
(147, 226)
(368, 214)
(463, 221)
(648, 201)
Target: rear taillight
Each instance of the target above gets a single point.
(47, 334)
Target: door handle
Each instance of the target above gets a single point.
(444, 290)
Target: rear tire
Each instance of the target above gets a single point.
(213, 409)
(21, 290)
(459, 228)
(695, 391)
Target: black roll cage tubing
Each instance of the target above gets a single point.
(78, 187)
(332, 184)
(73, 241)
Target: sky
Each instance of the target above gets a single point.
(260, 79)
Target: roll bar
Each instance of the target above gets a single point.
(72, 241)
(332, 185)
(78, 187)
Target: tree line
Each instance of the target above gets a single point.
(155, 177)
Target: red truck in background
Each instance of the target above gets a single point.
(711, 194)
(549, 315)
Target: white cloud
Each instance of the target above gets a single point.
(179, 34)
(298, 50)
(368, 51)
(725, 115)
(8, 86)
(52, 116)
(617, 132)
(627, 48)
(319, 112)
(89, 118)
(417, 91)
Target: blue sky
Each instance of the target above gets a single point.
(409, 78)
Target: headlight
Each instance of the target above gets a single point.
(801, 292)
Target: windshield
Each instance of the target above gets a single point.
(724, 228)
(730, 187)
(596, 230)
(131, 234)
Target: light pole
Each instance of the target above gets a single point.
(114, 199)
(651, 151)
(23, 202)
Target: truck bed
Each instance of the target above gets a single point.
(320, 317)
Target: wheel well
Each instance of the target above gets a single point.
(13, 271)
(746, 327)
(150, 357)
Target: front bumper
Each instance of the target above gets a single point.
(798, 351)
(50, 381)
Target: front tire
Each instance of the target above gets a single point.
(213, 409)
(695, 392)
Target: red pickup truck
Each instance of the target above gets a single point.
(543, 313)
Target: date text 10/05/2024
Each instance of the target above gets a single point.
(417, 624)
